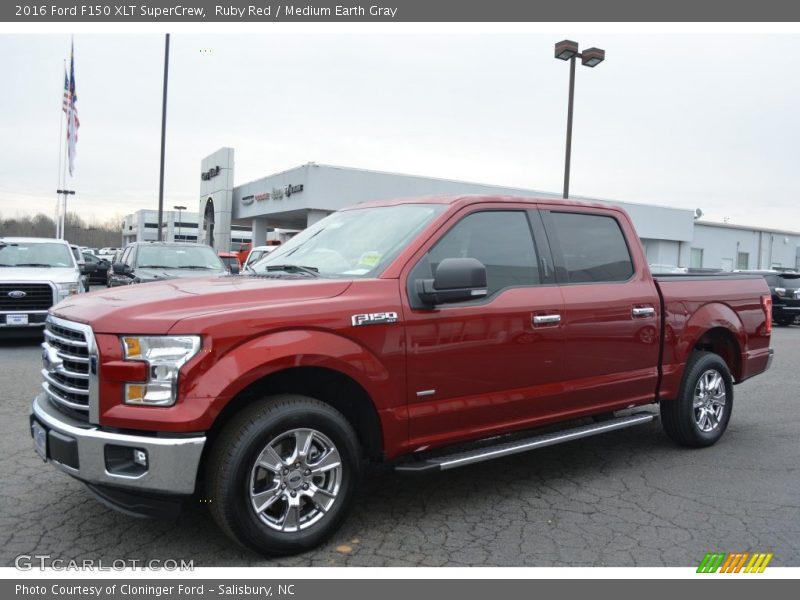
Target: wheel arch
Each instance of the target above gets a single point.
(722, 342)
(717, 328)
(333, 387)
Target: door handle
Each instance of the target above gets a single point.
(546, 319)
(643, 311)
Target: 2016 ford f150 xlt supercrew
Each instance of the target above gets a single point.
(427, 333)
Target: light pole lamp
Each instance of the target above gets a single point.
(179, 209)
(591, 57)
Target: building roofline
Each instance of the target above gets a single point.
(747, 227)
(525, 191)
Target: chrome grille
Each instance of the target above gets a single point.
(22, 297)
(69, 358)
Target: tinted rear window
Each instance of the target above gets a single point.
(593, 247)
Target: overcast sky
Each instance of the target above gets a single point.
(682, 120)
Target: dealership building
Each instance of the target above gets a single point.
(177, 226)
(299, 197)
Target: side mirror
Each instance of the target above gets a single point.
(456, 280)
(87, 268)
(234, 269)
(120, 269)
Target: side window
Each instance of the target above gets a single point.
(593, 247)
(501, 240)
(126, 256)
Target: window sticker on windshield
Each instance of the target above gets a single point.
(369, 259)
(356, 272)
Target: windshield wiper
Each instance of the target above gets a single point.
(196, 267)
(156, 267)
(313, 271)
(33, 265)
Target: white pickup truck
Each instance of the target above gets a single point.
(35, 274)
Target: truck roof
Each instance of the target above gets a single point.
(467, 199)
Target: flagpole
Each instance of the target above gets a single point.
(63, 211)
(60, 141)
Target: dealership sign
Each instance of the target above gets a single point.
(212, 172)
(276, 194)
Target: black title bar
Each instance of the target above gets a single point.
(202, 11)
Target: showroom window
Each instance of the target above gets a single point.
(696, 258)
(743, 260)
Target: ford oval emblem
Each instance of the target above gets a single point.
(16, 294)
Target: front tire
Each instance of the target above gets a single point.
(700, 414)
(785, 321)
(283, 473)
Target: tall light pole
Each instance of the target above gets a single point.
(568, 50)
(179, 209)
(163, 139)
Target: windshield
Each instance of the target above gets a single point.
(789, 282)
(178, 257)
(35, 254)
(352, 243)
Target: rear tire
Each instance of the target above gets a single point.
(700, 414)
(283, 473)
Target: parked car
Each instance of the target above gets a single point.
(99, 275)
(231, 261)
(143, 262)
(35, 274)
(257, 254)
(243, 251)
(107, 251)
(785, 289)
(396, 332)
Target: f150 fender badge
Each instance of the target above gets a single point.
(374, 318)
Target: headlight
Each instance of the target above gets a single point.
(780, 291)
(67, 289)
(164, 355)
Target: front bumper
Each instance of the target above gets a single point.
(97, 457)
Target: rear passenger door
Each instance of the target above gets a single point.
(611, 309)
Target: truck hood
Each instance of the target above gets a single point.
(54, 274)
(155, 307)
(157, 274)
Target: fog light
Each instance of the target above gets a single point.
(140, 457)
(125, 461)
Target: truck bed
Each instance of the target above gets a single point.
(727, 309)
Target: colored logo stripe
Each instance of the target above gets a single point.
(734, 562)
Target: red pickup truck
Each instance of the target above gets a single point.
(428, 333)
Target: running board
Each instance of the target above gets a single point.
(460, 459)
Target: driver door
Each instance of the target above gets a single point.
(484, 366)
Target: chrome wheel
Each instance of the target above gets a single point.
(709, 400)
(295, 480)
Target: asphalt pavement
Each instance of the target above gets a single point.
(629, 498)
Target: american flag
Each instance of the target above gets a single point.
(66, 90)
(73, 122)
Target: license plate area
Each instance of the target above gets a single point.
(16, 319)
(39, 434)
